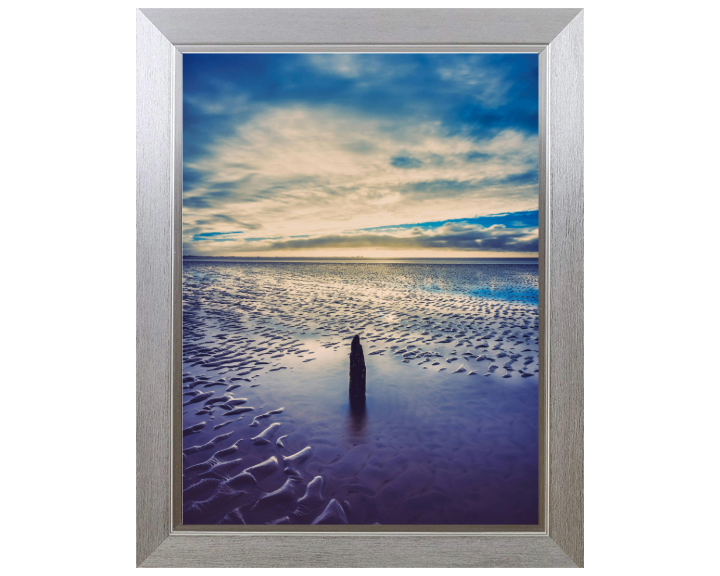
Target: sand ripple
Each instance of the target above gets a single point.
(433, 444)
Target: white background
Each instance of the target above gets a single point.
(68, 183)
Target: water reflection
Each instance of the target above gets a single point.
(443, 447)
(358, 415)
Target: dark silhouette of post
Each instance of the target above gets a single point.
(357, 369)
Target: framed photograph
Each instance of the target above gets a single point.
(359, 286)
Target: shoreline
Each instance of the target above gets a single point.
(350, 260)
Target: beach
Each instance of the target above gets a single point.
(448, 431)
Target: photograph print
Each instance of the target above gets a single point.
(360, 290)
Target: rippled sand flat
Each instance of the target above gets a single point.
(448, 433)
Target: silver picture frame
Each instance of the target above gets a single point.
(163, 35)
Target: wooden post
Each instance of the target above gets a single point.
(357, 369)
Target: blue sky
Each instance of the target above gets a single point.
(393, 155)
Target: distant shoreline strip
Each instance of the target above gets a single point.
(351, 260)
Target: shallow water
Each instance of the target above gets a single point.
(442, 437)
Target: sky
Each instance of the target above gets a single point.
(372, 155)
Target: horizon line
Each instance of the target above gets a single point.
(374, 257)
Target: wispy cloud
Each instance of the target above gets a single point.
(447, 237)
(451, 237)
(308, 150)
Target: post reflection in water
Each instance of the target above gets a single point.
(358, 415)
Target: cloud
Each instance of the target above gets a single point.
(524, 178)
(480, 93)
(294, 171)
(208, 198)
(452, 236)
(444, 186)
(197, 202)
(486, 84)
(347, 65)
(213, 221)
(441, 237)
(319, 146)
(527, 219)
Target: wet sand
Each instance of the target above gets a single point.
(448, 433)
